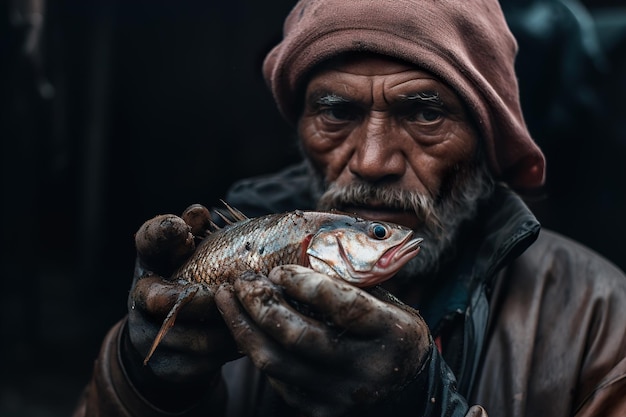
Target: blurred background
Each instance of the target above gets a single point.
(114, 111)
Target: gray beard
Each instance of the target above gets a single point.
(441, 217)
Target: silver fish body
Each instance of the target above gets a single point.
(362, 252)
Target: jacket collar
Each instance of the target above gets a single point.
(508, 227)
(502, 230)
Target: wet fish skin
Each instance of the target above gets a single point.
(256, 244)
(308, 238)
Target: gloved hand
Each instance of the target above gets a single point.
(349, 351)
(187, 361)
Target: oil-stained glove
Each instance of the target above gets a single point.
(186, 362)
(327, 347)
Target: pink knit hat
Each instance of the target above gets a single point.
(465, 43)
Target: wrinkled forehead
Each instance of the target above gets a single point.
(366, 74)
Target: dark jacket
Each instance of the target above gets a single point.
(530, 323)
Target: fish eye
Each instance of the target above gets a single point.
(379, 231)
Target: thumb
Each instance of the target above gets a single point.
(163, 243)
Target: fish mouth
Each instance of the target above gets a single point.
(401, 253)
(387, 265)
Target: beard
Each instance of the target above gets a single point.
(440, 217)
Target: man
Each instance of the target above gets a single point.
(407, 111)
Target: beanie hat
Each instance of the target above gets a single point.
(467, 44)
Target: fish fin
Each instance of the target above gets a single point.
(223, 217)
(214, 227)
(236, 214)
(232, 214)
(183, 298)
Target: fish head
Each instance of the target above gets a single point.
(362, 252)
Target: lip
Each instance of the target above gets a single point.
(402, 217)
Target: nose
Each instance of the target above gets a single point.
(378, 156)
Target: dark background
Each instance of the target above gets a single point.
(115, 111)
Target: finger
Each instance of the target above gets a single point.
(187, 338)
(156, 297)
(253, 299)
(360, 313)
(345, 305)
(293, 330)
(198, 218)
(242, 328)
(163, 243)
(267, 354)
(386, 297)
(169, 334)
(186, 350)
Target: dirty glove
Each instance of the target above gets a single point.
(186, 363)
(327, 347)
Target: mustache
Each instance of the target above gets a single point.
(362, 194)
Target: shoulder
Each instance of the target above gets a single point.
(558, 314)
(563, 278)
(574, 300)
(560, 254)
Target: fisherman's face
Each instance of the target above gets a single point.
(382, 124)
(391, 142)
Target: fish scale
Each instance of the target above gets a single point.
(359, 251)
(257, 244)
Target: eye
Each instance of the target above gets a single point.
(425, 115)
(338, 113)
(429, 115)
(379, 231)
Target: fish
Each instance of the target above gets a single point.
(362, 252)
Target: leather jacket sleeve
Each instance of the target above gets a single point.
(110, 393)
(608, 398)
